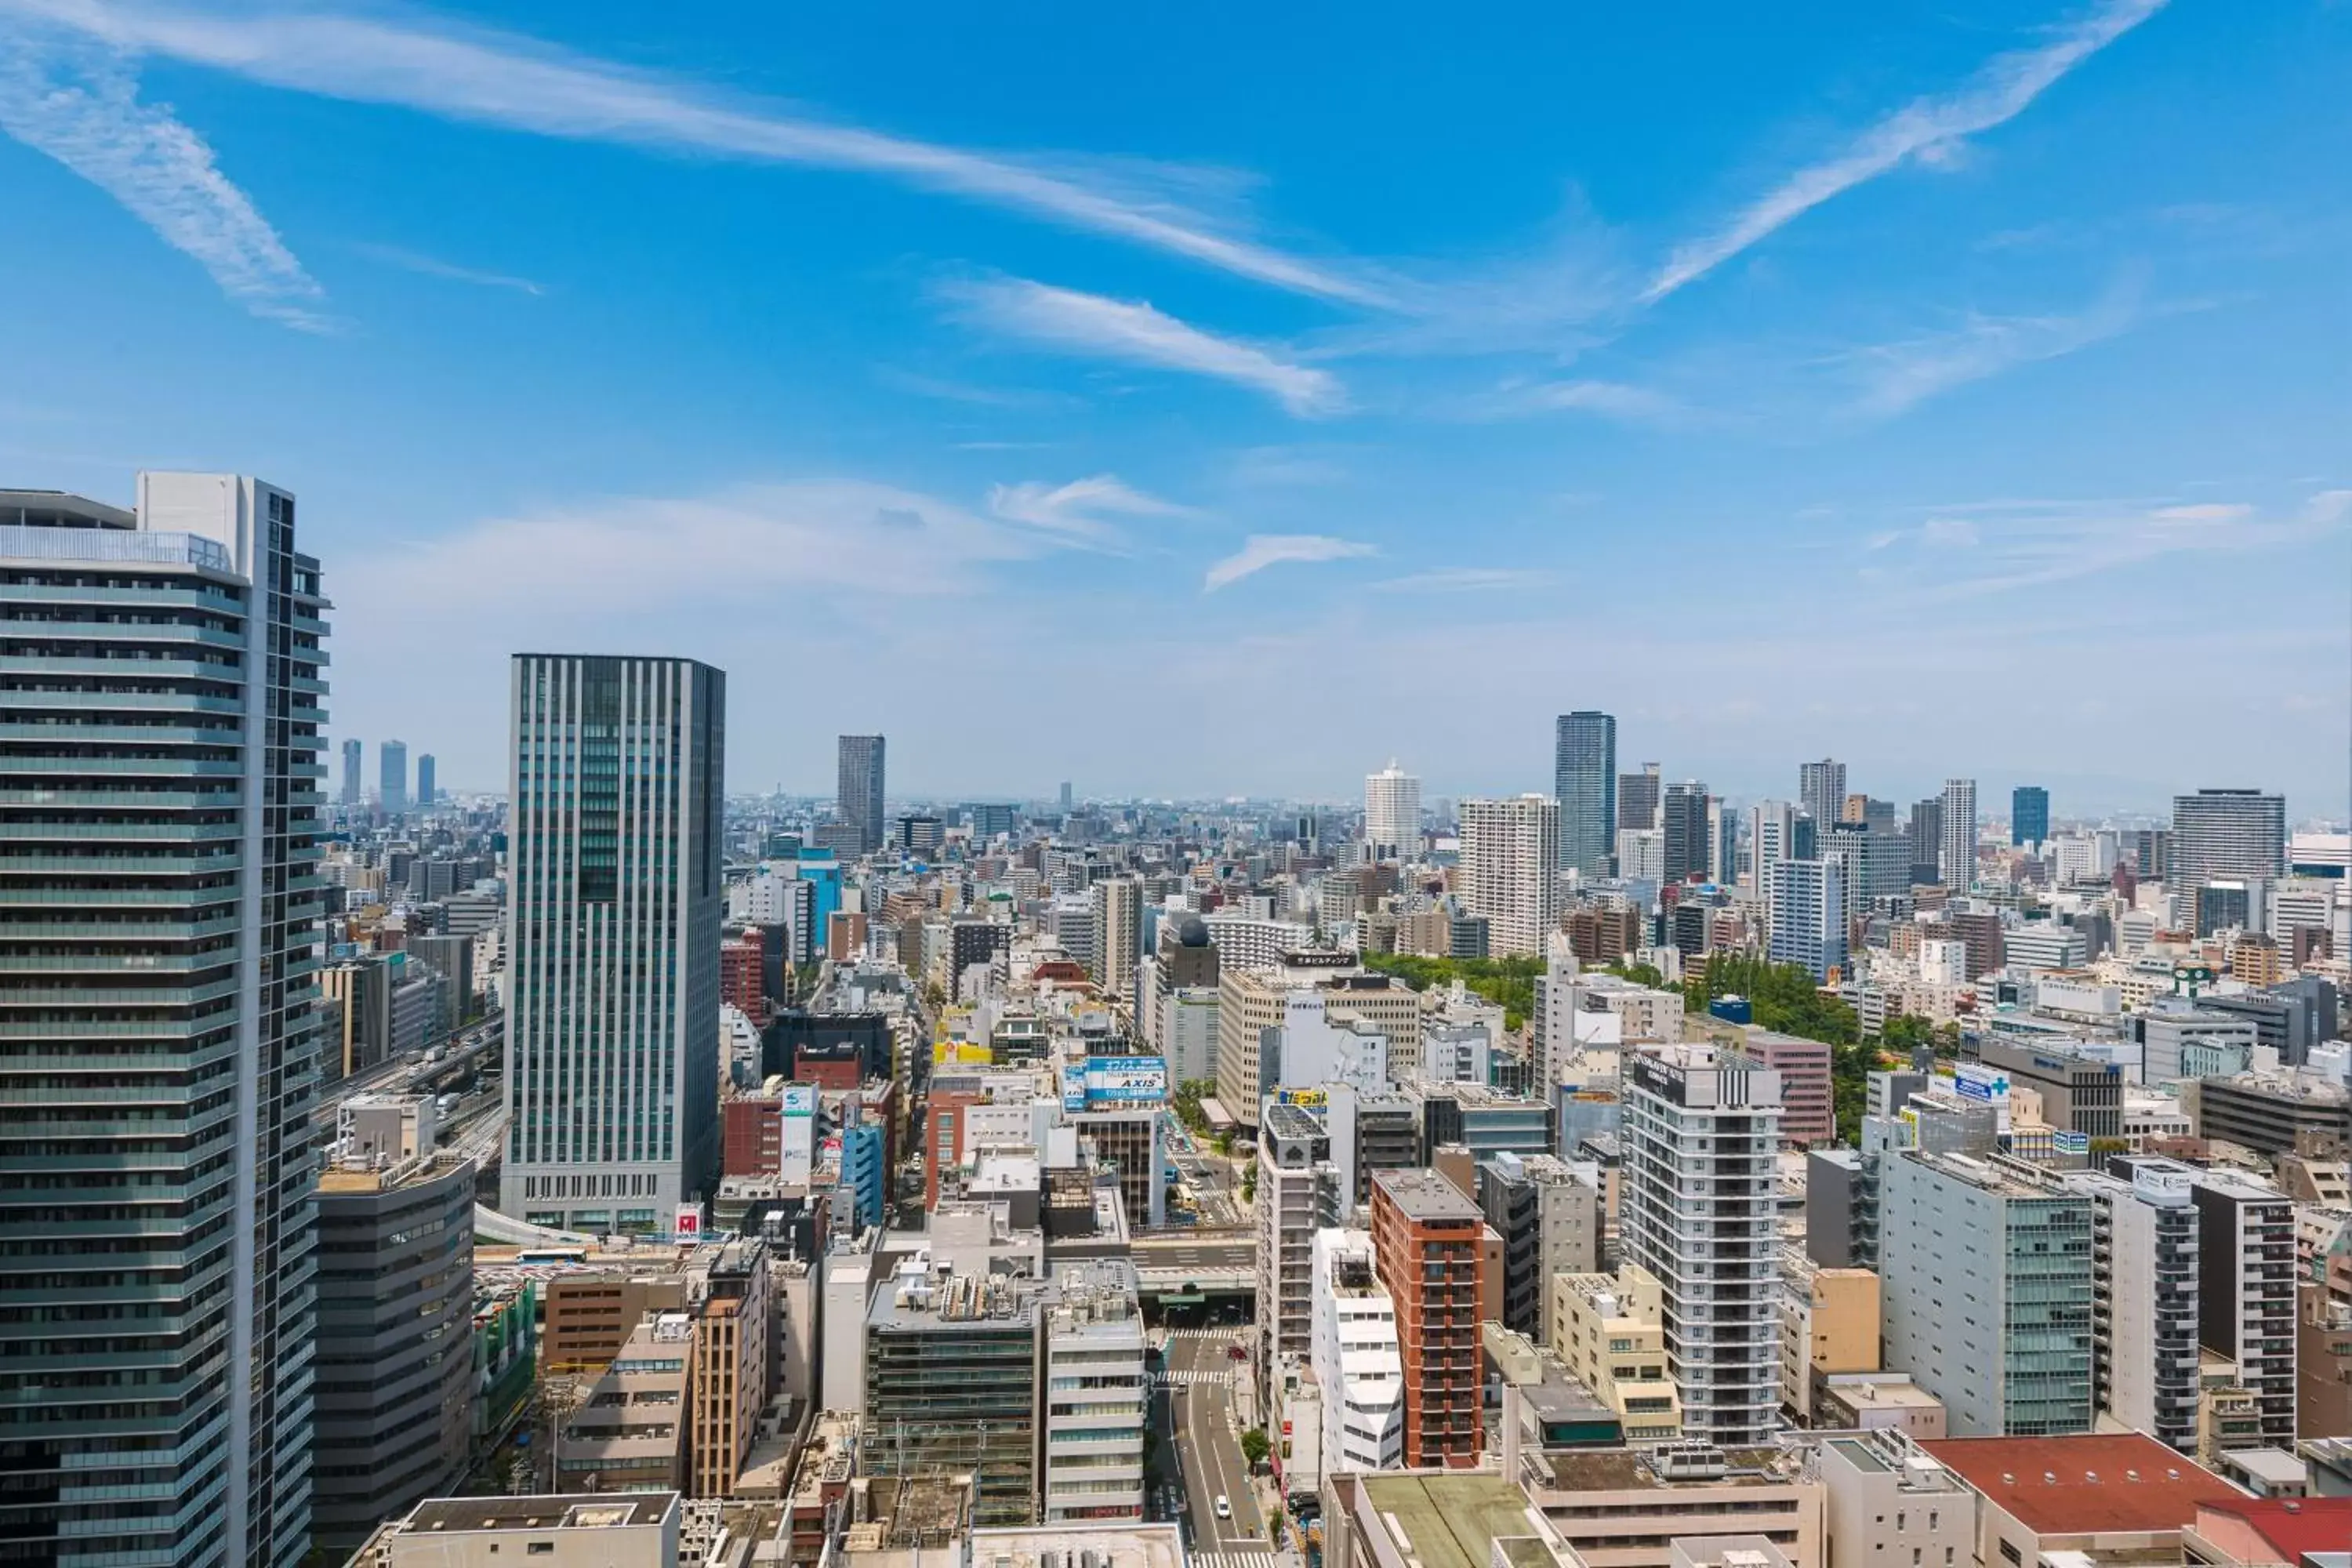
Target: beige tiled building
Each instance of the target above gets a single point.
(1607, 1329)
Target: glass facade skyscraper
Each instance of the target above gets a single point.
(2029, 815)
(613, 904)
(161, 780)
(859, 795)
(1585, 783)
(392, 764)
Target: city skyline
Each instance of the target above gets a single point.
(1934, 332)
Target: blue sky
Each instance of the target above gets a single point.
(1230, 405)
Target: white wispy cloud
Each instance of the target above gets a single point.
(1465, 580)
(81, 107)
(418, 262)
(652, 555)
(1929, 129)
(1136, 333)
(1078, 509)
(441, 67)
(1617, 400)
(1899, 375)
(2018, 545)
(1261, 550)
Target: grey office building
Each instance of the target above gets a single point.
(392, 784)
(1584, 782)
(159, 907)
(1987, 1279)
(2228, 836)
(1927, 835)
(1821, 790)
(352, 794)
(428, 786)
(614, 901)
(395, 1329)
(2078, 1093)
(859, 795)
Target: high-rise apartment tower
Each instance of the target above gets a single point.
(160, 910)
(1821, 790)
(1958, 859)
(1392, 814)
(1509, 850)
(1701, 1137)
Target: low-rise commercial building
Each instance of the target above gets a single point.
(1606, 1329)
(572, 1531)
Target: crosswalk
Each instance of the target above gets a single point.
(1201, 1333)
(1243, 1559)
(1186, 1374)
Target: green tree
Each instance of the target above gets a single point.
(1256, 1446)
(1249, 1184)
(1640, 974)
(1510, 982)
(1786, 998)
(1186, 1102)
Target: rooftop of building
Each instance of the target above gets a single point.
(2297, 1528)
(578, 1511)
(2090, 1483)
(943, 1302)
(2005, 1177)
(1863, 1392)
(1096, 1292)
(1425, 1197)
(1281, 1119)
(1450, 1520)
(1113, 1545)
(1669, 1467)
(376, 1175)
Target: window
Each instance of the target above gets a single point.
(2009, 1554)
(539, 1547)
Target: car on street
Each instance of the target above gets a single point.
(1224, 1508)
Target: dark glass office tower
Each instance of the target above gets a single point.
(1585, 783)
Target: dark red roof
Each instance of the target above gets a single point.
(2294, 1526)
(2092, 1483)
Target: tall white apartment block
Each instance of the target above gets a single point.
(1509, 848)
(1096, 1394)
(1698, 1210)
(1808, 915)
(1299, 1193)
(1957, 859)
(2145, 1297)
(613, 904)
(1392, 814)
(1254, 941)
(1357, 1361)
(1772, 838)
